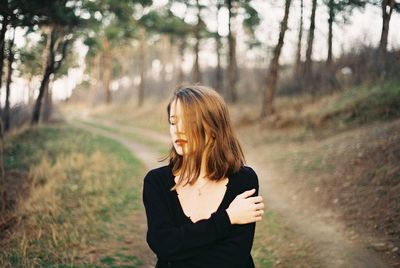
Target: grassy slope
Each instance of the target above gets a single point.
(78, 185)
(343, 153)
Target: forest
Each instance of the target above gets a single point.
(312, 86)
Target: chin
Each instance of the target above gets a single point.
(179, 151)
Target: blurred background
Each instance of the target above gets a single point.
(313, 88)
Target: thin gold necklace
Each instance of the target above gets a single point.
(201, 187)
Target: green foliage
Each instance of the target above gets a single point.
(251, 19)
(379, 3)
(367, 103)
(113, 21)
(162, 21)
(50, 12)
(344, 8)
(30, 59)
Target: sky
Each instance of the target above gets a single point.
(364, 28)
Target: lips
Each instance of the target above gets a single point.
(180, 141)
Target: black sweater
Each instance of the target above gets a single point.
(208, 243)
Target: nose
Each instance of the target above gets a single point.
(179, 127)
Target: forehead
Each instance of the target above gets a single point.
(176, 108)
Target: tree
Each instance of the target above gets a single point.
(10, 59)
(142, 64)
(251, 20)
(112, 23)
(57, 43)
(272, 76)
(57, 22)
(9, 13)
(198, 29)
(387, 7)
(310, 41)
(47, 107)
(336, 8)
(30, 63)
(165, 22)
(232, 63)
(297, 64)
(218, 73)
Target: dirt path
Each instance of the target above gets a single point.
(331, 245)
(135, 226)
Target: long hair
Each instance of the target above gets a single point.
(205, 113)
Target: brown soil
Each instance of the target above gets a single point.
(340, 191)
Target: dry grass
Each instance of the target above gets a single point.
(72, 199)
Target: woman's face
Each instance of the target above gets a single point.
(176, 129)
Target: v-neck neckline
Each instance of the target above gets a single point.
(175, 193)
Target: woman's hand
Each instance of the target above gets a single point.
(246, 209)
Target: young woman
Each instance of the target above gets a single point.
(201, 208)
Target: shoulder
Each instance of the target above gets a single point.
(155, 176)
(245, 178)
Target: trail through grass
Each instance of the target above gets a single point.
(82, 192)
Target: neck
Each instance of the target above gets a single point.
(203, 168)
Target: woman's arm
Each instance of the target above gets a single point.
(233, 250)
(169, 241)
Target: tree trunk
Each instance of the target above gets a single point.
(9, 77)
(387, 9)
(310, 42)
(48, 103)
(272, 76)
(331, 19)
(100, 73)
(49, 69)
(297, 65)
(196, 66)
(232, 65)
(165, 51)
(3, 192)
(42, 91)
(3, 31)
(181, 74)
(142, 64)
(54, 43)
(107, 70)
(30, 90)
(329, 74)
(218, 73)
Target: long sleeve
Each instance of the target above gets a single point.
(231, 252)
(234, 250)
(166, 239)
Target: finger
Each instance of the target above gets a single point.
(258, 213)
(259, 206)
(255, 199)
(258, 218)
(247, 193)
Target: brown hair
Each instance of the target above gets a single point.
(204, 111)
